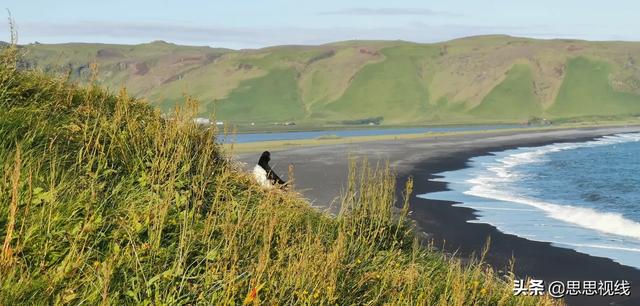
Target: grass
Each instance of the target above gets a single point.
(586, 90)
(513, 98)
(326, 79)
(102, 201)
(210, 82)
(393, 88)
(269, 98)
(560, 124)
(458, 81)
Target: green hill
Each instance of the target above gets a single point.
(103, 201)
(513, 98)
(476, 79)
(394, 88)
(586, 90)
(267, 98)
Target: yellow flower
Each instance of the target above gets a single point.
(483, 291)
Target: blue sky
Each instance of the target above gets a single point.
(254, 24)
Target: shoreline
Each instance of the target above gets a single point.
(448, 227)
(283, 145)
(321, 170)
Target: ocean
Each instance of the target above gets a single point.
(581, 195)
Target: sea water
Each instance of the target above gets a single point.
(582, 195)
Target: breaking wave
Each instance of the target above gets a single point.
(490, 185)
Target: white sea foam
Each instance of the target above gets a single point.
(499, 208)
(606, 247)
(611, 223)
(488, 185)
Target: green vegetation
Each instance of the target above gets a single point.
(586, 91)
(513, 99)
(582, 122)
(265, 99)
(104, 201)
(470, 80)
(393, 88)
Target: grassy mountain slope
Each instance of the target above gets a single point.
(513, 98)
(586, 91)
(393, 87)
(102, 201)
(264, 99)
(327, 77)
(453, 81)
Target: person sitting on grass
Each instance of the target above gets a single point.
(264, 175)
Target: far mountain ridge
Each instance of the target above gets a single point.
(493, 78)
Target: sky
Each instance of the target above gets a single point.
(255, 24)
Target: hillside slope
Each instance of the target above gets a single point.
(476, 79)
(102, 201)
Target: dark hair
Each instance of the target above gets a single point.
(264, 163)
(264, 160)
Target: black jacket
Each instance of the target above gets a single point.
(271, 175)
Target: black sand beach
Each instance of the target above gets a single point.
(447, 225)
(321, 171)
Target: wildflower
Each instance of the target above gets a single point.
(483, 291)
(251, 296)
